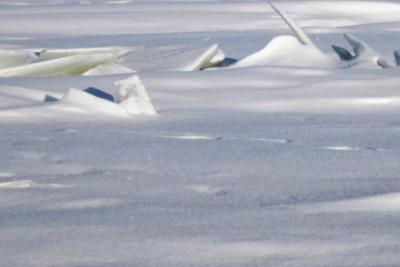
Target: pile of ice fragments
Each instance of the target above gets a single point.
(296, 50)
(130, 98)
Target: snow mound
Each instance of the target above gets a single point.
(298, 50)
(286, 50)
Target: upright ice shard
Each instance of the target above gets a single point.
(133, 97)
(71, 65)
(210, 57)
(297, 31)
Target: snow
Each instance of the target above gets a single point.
(288, 157)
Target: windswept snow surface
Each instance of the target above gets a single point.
(264, 165)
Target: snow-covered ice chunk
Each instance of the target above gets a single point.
(132, 96)
(130, 99)
(86, 102)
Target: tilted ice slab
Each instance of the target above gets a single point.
(176, 58)
(60, 62)
(210, 57)
(47, 54)
(97, 61)
(13, 58)
(72, 65)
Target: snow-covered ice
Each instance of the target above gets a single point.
(117, 149)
